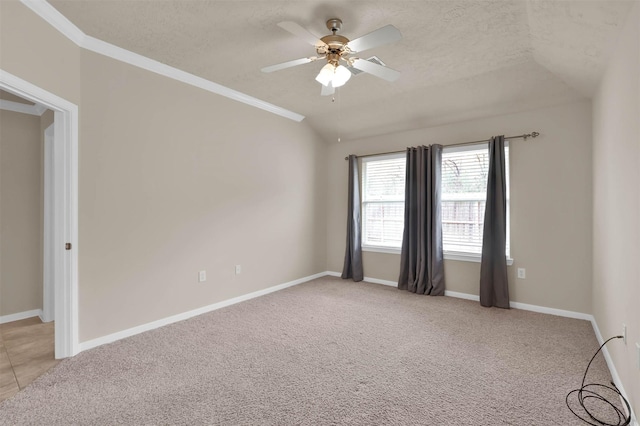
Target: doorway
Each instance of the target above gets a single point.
(61, 248)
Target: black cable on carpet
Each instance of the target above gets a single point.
(588, 392)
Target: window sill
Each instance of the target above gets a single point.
(463, 257)
(468, 257)
(379, 249)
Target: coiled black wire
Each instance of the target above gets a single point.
(587, 392)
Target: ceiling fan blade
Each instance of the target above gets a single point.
(327, 90)
(375, 69)
(379, 37)
(298, 31)
(288, 64)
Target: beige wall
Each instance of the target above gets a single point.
(174, 180)
(46, 119)
(35, 51)
(616, 204)
(550, 204)
(20, 213)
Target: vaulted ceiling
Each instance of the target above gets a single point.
(459, 59)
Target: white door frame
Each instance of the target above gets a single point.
(48, 272)
(64, 218)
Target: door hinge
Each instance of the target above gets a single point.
(67, 246)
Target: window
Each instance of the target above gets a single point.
(464, 191)
(383, 179)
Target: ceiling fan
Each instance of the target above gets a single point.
(335, 49)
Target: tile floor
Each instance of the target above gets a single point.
(26, 352)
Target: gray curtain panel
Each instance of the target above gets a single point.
(353, 253)
(422, 264)
(494, 285)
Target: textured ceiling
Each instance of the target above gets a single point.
(459, 59)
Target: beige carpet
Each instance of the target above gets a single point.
(326, 352)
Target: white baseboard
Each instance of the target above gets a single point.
(90, 344)
(551, 311)
(612, 369)
(474, 297)
(367, 279)
(383, 282)
(21, 315)
(459, 295)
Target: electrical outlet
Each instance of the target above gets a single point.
(238, 269)
(624, 333)
(202, 276)
(522, 273)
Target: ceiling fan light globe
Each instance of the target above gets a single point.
(326, 74)
(341, 76)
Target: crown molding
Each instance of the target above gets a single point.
(57, 20)
(120, 54)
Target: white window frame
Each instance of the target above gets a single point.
(477, 257)
(448, 255)
(363, 161)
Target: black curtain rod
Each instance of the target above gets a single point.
(525, 137)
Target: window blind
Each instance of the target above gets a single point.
(383, 200)
(464, 190)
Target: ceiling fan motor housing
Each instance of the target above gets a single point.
(335, 42)
(335, 45)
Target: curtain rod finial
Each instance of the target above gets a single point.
(535, 134)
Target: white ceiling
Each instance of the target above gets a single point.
(459, 59)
